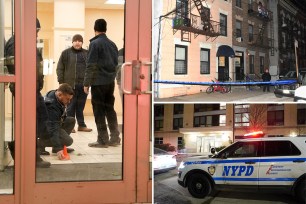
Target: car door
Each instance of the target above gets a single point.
(280, 164)
(241, 163)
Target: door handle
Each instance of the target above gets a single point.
(139, 77)
(123, 78)
(250, 162)
(298, 161)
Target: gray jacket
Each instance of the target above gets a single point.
(67, 67)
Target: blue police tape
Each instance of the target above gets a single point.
(274, 83)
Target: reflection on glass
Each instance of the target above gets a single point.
(7, 48)
(65, 135)
(6, 140)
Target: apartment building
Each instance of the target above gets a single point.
(203, 126)
(187, 35)
(251, 40)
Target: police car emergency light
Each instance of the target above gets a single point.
(257, 164)
(256, 134)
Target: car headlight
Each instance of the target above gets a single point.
(182, 165)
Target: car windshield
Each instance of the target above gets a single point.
(290, 74)
(160, 151)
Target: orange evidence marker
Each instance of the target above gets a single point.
(66, 155)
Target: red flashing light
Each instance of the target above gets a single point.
(254, 134)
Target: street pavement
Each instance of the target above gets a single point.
(237, 94)
(168, 191)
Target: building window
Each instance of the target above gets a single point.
(261, 64)
(238, 3)
(242, 119)
(182, 8)
(276, 118)
(180, 143)
(238, 29)
(199, 121)
(223, 24)
(206, 107)
(251, 60)
(158, 110)
(205, 61)
(251, 37)
(209, 120)
(177, 123)
(158, 124)
(301, 119)
(158, 140)
(180, 59)
(178, 109)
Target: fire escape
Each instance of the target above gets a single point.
(266, 17)
(188, 23)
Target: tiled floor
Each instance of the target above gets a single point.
(85, 154)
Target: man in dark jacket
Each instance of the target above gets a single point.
(59, 125)
(71, 69)
(100, 75)
(266, 77)
(41, 111)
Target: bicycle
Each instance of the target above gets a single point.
(216, 87)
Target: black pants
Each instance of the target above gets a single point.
(103, 101)
(64, 135)
(266, 87)
(77, 105)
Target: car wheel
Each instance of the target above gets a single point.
(301, 191)
(278, 95)
(199, 185)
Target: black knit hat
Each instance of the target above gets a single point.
(37, 24)
(100, 25)
(77, 37)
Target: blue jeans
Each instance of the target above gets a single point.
(77, 105)
(103, 107)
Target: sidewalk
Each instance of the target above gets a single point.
(237, 94)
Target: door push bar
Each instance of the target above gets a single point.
(139, 77)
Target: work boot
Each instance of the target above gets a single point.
(84, 129)
(40, 163)
(114, 142)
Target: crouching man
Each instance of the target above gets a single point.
(59, 125)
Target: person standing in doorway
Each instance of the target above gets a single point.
(266, 77)
(71, 69)
(100, 76)
(118, 76)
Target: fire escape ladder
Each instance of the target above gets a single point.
(260, 38)
(205, 15)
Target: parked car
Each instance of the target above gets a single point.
(258, 164)
(289, 90)
(163, 161)
(300, 94)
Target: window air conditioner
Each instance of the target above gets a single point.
(239, 39)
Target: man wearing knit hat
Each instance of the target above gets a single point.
(71, 70)
(100, 75)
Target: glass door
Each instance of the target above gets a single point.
(117, 174)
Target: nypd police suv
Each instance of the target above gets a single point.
(259, 164)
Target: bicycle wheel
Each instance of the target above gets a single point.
(209, 89)
(224, 89)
